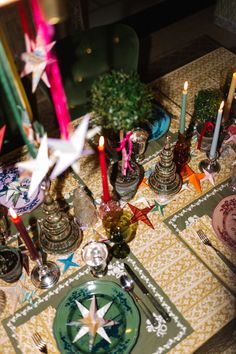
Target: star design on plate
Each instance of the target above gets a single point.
(158, 207)
(36, 60)
(209, 176)
(68, 262)
(192, 177)
(93, 322)
(141, 214)
(39, 166)
(68, 151)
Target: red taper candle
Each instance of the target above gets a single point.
(34, 255)
(106, 195)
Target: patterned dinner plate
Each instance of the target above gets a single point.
(159, 124)
(224, 221)
(14, 191)
(115, 332)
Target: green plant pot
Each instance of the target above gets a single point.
(125, 186)
(10, 264)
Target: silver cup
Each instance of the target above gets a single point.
(139, 139)
(95, 255)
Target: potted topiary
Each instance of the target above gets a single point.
(206, 105)
(120, 102)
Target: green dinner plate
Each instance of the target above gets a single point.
(123, 335)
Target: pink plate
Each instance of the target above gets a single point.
(224, 221)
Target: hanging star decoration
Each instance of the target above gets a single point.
(209, 177)
(158, 207)
(39, 166)
(141, 214)
(192, 177)
(68, 262)
(68, 151)
(2, 133)
(92, 322)
(36, 60)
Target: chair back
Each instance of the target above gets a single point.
(87, 54)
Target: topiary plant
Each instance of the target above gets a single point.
(120, 101)
(206, 105)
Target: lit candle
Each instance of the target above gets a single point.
(106, 194)
(216, 132)
(230, 97)
(183, 108)
(34, 255)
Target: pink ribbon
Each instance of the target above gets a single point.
(126, 155)
(54, 76)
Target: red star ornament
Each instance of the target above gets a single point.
(141, 214)
(192, 177)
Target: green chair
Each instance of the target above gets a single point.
(85, 55)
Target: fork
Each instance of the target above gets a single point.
(205, 240)
(40, 343)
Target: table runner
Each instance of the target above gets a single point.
(196, 290)
(158, 339)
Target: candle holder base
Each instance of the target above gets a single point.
(45, 276)
(211, 165)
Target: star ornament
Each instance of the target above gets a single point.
(68, 151)
(68, 262)
(192, 177)
(39, 166)
(93, 322)
(36, 60)
(209, 177)
(141, 214)
(158, 207)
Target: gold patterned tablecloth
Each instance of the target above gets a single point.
(197, 282)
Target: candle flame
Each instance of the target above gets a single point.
(13, 213)
(185, 85)
(222, 105)
(101, 141)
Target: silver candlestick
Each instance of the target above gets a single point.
(45, 275)
(211, 165)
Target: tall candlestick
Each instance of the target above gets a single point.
(34, 255)
(230, 97)
(183, 108)
(216, 132)
(106, 195)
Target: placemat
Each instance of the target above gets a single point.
(40, 314)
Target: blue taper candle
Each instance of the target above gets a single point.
(183, 108)
(214, 143)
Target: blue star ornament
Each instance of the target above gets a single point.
(68, 262)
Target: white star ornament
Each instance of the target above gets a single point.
(68, 151)
(39, 166)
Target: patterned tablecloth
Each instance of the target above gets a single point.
(192, 278)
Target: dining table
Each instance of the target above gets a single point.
(190, 281)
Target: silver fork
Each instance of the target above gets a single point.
(40, 343)
(205, 240)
